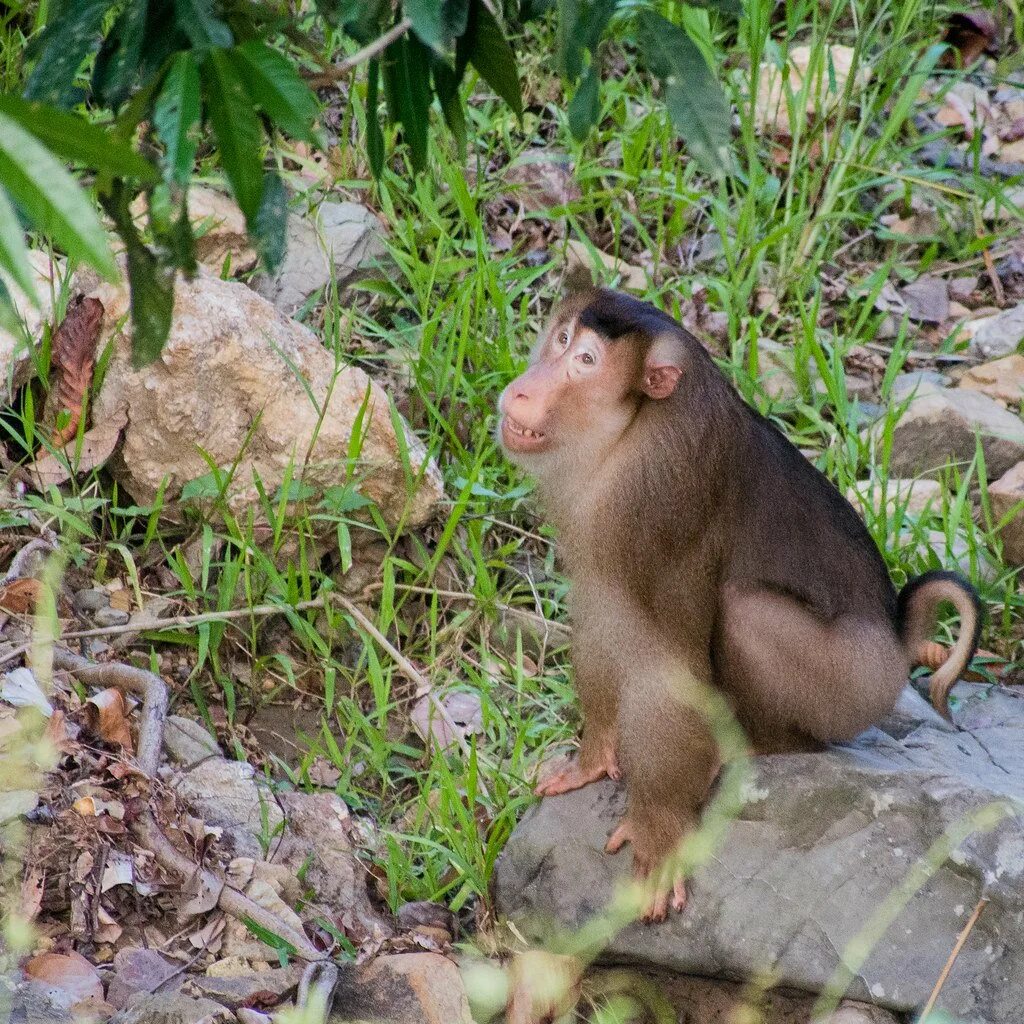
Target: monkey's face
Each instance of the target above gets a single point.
(576, 397)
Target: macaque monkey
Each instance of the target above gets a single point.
(703, 551)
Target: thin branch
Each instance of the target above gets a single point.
(333, 74)
(961, 939)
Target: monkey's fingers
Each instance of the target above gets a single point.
(622, 835)
(569, 778)
(667, 892)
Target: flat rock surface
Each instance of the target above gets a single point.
(823, 841)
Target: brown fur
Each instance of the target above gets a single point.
(704, 550)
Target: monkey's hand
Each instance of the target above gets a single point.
(660, 875)
(580, 772)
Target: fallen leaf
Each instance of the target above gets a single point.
(463, 710)
(21, 690)
(969, 34)
(74, 354)
(69, 976)
(20, 596)
(109, 719)
(97, 446)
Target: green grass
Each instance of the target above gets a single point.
(450, 321)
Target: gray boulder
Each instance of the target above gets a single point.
(941, 428)
(823, 841)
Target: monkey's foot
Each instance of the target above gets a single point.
(663, 883)
(575, 776)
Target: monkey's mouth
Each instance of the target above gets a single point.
(520, 438)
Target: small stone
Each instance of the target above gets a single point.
(1001, 379)
(170, 1008)
(776, 367)
(851, 1012)
(110, 617)
(918, 382)
(403, 988)
(268, 987)
(998, 335)
(962, 288)
(942, 429)
(88, 602)
(231, 795)
(858, 386)
(1004, 494)
(958, 311)
(927, 299)
(187, 742)
(913, 497)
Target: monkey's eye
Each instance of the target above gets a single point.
(587, 358)
(563, 339)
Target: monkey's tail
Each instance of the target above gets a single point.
(916, 610)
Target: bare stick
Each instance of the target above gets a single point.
(368, 52)
(961, 939)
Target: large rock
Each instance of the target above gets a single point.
(335, 241)
(15, 349)
(239, 381)
(940, 429)
(823, 842)
(1001, 379)
(1007, 498)
(997, 335)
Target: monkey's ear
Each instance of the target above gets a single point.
(662, 368)
(660, 379)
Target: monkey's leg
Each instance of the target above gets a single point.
(670, 760)
(792, 674)
(597, 687)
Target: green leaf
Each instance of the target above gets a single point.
(176, 115)
(273, 83)
(374, 135)
(204, 29)
(407, 89)
(272, 222)
(238, 131)
(12, 248)
(75, 139)
(51, 198)
(585, 108)
(693, 96)
(734, 8)
(151, 285)
(437, 22)
(117, 64)
(446, 86)
(581, 24)
(65, 41)
(484, 46)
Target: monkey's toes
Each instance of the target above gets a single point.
(622, 835)
(570, 778)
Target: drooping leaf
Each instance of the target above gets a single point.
(407, 90)
(151, 285)
(51, 198)
(72, 361)
(585, 107)
(272, 222)
(275, 85)
(204, 29)
(581, 24)
(485, 47)
(437, 22)
(238, 131)
(117, 64)
(73, 138)
(374, 135)
(446, 86)
(696, 103)
(63, 45)
(12, 248)
(176, 118)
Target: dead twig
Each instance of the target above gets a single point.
(319, 79)
(153, 692)
(961, 939)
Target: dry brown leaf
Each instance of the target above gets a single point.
(969, 34)
(74, 354)
(20, 597)
(108, 713)
(97, 446)
(70, 974)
